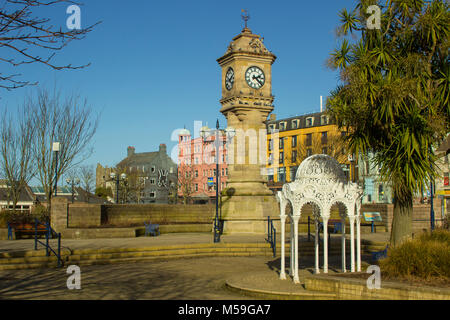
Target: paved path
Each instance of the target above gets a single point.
(193, 278)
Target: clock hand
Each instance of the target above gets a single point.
(256, 78)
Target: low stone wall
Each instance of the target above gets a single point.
(137, 214)
(3, 234)
(351, 289)
(98, 233)
(84, 215)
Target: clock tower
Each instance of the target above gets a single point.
(246, 103)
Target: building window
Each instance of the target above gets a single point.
(152, 194)
(152, 181)
(324, 120)
(293, 171)
(294, 156)
(226, 172)
(281, 143)
(196, 187)
(270, 160)
(153, 169)
(294, 141)
(282, 174)
(281, 157)
(271, 127)
(196, 173)
(308, 139)
(270, 144)
(324, 137)
(309, 121)
(309, 152)
(324, 150)
(294, 124)
(282, 126)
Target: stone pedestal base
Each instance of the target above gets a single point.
(248, 214)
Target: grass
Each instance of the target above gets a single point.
(423, 259)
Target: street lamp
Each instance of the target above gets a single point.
(73, 183)
(56, 146)
(205, 133)
(117, 179)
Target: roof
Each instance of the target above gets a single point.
(25, 195)
(302, 121)
(445, 145)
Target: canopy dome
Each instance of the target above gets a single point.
(320, 167)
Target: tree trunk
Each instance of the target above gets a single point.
(401, 222)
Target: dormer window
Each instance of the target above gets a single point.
(282, 126)
(309, 121)
(271, 127)
(295, 124)
(324, 120)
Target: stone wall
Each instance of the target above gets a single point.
(84, 215)
(137, 214)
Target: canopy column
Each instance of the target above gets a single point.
(296, 279)
(325, 243)
(352, 242)
(358, 244)
(343, 242)
(316, 244)
(283, 227)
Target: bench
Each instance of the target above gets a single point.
(380, 254)
(336, 223)
(28, 229)
(151, 229)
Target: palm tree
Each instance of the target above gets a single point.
(393, 98)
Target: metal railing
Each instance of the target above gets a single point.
(48, 234)
(272, 236)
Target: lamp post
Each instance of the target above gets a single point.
(117, 179)
(205, 133)
(73, 182)
(56, 146)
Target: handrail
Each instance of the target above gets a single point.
(49, 233)
(272, 236)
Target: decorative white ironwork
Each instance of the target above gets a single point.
(320, 181)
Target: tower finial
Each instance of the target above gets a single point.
(245, 16)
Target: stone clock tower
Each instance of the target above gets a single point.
(246, 103)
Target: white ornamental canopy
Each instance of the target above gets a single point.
(321, 182)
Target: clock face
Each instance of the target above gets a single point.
(255, 77)
(229, 79)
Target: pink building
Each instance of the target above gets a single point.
(197, 165)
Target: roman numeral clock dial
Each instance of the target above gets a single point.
(229, 79)
(255, 77)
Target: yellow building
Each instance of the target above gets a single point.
(292, 140)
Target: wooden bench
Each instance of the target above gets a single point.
(335, 223)
(151, 229)
(380, 254)
(28, 229)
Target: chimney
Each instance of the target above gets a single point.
(162, 148)
(321, 104)
(273, 117)
(130, 151)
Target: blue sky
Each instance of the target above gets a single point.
(153, 64)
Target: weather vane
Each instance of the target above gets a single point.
(245, 16)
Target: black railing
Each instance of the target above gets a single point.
(272, 236)
(49, 234)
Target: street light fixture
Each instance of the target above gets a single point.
(73, 183)
(55, 149)
(205, 133)
(117, 179)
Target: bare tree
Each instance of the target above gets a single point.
(87, 177)
(186, 181)
(16, 161)
(69, 122)
(24, 37)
